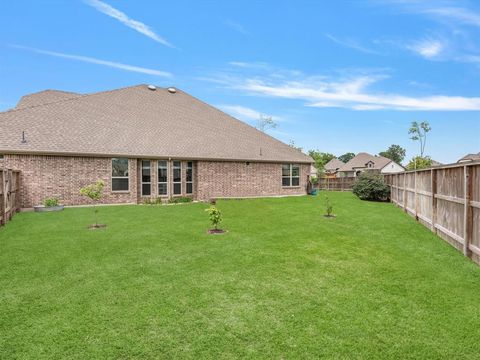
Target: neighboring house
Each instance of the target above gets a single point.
(332, 167)
(144, 142)
(470, 157)
(366, 162)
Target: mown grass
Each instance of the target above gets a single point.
(283, 283)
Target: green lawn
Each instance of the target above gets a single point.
(283, 283)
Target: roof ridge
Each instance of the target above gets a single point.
(65, 100)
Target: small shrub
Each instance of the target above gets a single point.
(328, 207)
(215, 216)
(50, 202)
(314, 180)
(180, 200)
(149, 201)
(370, 186)
(94, 192)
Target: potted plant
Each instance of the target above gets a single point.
(49, 204)
(215, 217)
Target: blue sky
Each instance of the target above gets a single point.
(337, 76)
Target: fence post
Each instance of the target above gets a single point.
(467, 216)
(404, 191)
(433, 182)
(416, 197)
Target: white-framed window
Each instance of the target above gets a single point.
(177, 178)
(162, 177)
(146, 178)
(290, 175)
(189, 177)
(120, 174)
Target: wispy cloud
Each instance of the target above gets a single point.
(236, 26)
(91, 60)
(127, 21)
(428, 48)
(354, 91)
(245, 113)
(459, 14)
(350, 43)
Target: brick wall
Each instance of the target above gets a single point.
(63, 176)
(237, 179)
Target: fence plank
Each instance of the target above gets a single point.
(9, 194)
(445, 199)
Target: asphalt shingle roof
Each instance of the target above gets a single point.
(334, 164)
(136, 122)
(361, 160)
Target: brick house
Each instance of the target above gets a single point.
(145, 143)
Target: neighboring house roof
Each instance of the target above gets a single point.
(470, 157)
(334, 165)
(44, 97)
(136, 122)
(362, 159)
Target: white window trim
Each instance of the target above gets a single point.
(173, 178)
(291, 177)
(163, 182)
(120, 177)
(141, 177)
(188, 182)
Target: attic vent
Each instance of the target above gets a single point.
(152, 87)
(172, 90)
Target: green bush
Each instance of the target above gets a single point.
(180, 200)
(371, 186)
(50, 202)
(215, 216)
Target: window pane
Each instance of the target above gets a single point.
(177, 175)
(295, 170)
(120, 184)
(162, 189)
(177, 189)
(119, 167)
(286, 181)
(189, 188)
(285, 170)
(295, 181)
(146, 189)
(162, 175)
(146, 171)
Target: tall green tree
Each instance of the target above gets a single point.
(321, 158)
(346, 157)
(419, 133)
(395, 153)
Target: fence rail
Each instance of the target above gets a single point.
(9, 194)
(336, 184)
(445, 199)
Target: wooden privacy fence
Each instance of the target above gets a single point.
(336, 184)
(9, 194)
(446, 199)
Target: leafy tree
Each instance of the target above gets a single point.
(293, 145)
(346, 157)
(371, 186)
(266, 122)
(419, 133)
(419, 162)
(215, 216)
(320, 159)
(94, 192)
(395, 153)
